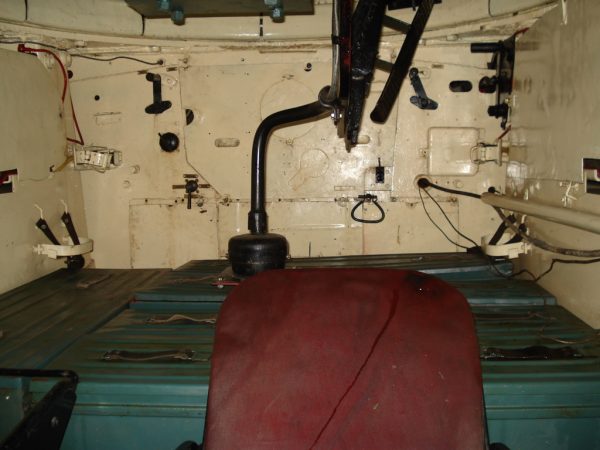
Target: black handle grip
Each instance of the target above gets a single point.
(486, 47)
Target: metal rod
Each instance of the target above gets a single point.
(257, 217)
(563, 216)
(336, 59)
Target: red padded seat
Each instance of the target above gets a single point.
(345, 359)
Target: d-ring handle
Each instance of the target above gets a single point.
(369, 198)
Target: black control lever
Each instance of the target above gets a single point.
(74, 262)
(402, 4)
(503, 61)
(159, 106)
(45, 228)
(420, 100)
(191, 186)
(379, 172)
(403, 62)
(366, 32)
(66, 218)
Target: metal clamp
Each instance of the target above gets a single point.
(369, 198)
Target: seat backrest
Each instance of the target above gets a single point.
(345, 359)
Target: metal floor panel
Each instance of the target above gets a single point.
(470, 274)
(165, 398)
(42, 318)
(553, 404)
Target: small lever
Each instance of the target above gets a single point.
(191, 186)
(45, 228)
(379, 172)
(66, 219)
(159, 106)
(74, 262)
(420, 100)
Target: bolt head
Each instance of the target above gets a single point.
(277, 14)
(177, 16)
(164, 5)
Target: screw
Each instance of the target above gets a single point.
(164, 5)
(177, 16)
(277, 14)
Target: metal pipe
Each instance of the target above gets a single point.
(257, 217)
(336, 58)
(563, 216)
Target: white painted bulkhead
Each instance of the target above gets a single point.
(231, 77)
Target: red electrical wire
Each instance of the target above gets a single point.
(80, 141)
(24, 49)
(521, 31)
(505, 133)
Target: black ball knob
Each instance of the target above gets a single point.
(499, 110)
(169, 142)
(488, 85)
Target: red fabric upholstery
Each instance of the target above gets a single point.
(345, 359)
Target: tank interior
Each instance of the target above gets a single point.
(158, 155)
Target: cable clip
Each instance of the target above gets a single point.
(368, 198)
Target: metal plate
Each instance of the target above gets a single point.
(149, 8)
(42, 318)
(530, 404)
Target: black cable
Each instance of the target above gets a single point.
(564, 261)
(450, 222)
(547, 271)
(424, 183)
(518, 232)
(545, 245)
(437, 226)
(490, 260)
(492, 264)
(159, 62)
